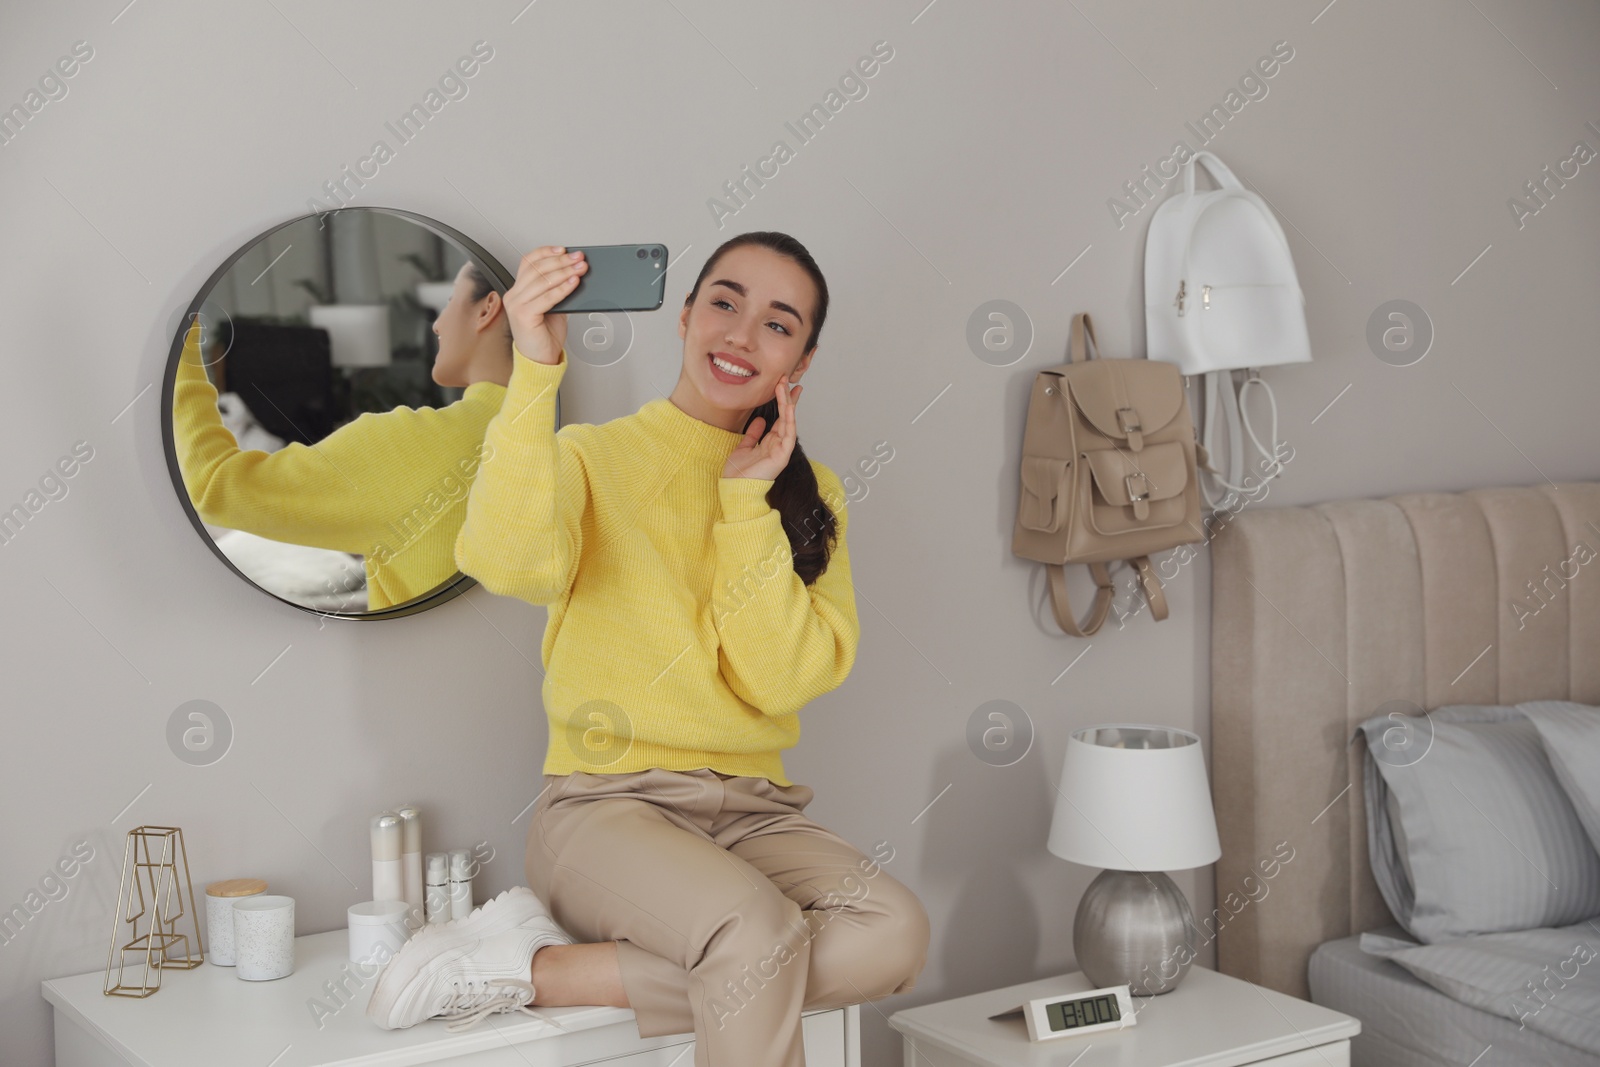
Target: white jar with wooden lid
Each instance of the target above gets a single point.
(220, 897)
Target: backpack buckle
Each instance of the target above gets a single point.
(1128, 419)
(1138, 498)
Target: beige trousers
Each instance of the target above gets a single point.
(731, 910)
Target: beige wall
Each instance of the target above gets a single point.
(977, 167)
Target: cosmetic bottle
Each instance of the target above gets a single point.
(411, 860)
(438, 887)
(460, 883)
(386, 844)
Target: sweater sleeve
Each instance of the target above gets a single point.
(783, 643)
(523, 533)
(340, 493)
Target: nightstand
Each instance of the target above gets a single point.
(1210, 1019)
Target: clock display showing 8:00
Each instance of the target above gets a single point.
(1071, 1014)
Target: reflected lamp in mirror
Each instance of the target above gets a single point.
(434, 295)
(358, 334)
(322, 434)
(1134, 801)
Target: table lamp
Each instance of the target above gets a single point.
(358, 334)
(1133, 800)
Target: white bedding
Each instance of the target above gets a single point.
(1546, 979)
(1406, 1022)
(318, 578)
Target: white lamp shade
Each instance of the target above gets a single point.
(357, 333)
(1134, 797)
(435, 295)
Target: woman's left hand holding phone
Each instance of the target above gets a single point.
(544, 277)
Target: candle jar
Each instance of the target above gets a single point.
(263, 937)
(220, 899)
(377, 930)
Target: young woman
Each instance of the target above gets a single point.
(694, 564)
(389, 486)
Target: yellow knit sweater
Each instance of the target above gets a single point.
(679, 635)
(391, 487)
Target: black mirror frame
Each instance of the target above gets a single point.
(498, 276)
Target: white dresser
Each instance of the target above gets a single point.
(316, 1017)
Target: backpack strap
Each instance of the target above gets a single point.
(1104, 590)
(1097, 611)
(1219, 170)
(1082, 326)
(1152, 588)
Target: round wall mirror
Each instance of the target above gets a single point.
(325, 403)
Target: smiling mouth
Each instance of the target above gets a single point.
(720, 370)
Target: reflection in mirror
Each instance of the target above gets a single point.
(326, 404)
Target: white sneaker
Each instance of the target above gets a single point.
(467, 969)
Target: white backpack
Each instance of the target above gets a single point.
(1220, 293)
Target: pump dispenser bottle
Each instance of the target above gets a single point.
(438, 888)
(386, 847)
(460, 883)
(411, 862)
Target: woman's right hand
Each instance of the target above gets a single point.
(544, 277)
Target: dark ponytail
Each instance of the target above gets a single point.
(807, 520)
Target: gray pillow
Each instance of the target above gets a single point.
(1571, 736)
(1486, 838)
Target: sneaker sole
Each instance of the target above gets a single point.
(504, 912)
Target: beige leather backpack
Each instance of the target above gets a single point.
(1108, 472)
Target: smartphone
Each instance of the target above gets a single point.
(619, 278)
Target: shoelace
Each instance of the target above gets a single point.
(469, 1007)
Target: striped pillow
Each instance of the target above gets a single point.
(1571, 736)
(1490, 840)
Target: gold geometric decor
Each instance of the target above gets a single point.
(151, 885)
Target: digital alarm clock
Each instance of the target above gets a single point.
(1069, 1014)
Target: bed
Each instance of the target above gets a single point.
(1322, 616)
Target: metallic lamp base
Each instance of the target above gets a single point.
(1134, 928)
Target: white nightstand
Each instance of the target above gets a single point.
(1210, 1019)
(209, 1016)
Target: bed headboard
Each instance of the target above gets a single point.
(1322, 614)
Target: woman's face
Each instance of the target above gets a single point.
(754, 311)
(459, 327)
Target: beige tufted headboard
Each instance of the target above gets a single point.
(1322, 614)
